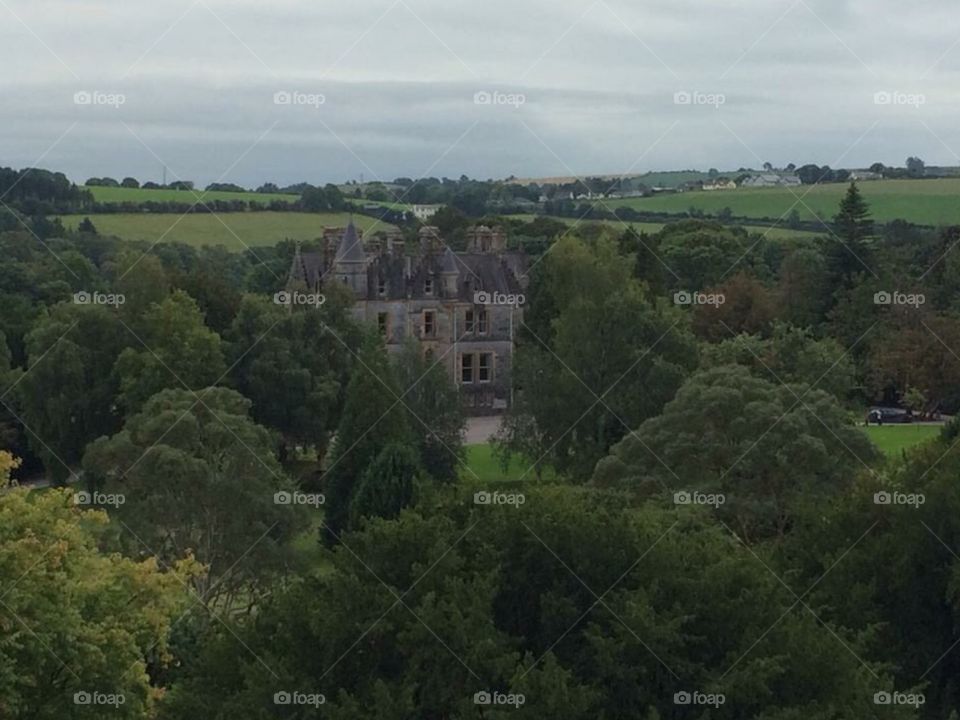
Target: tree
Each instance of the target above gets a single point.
(372, 419)
(87, 226)
(294, 366)
(772, 450)
(176, 350)
(129, 182)
(434, 412)
(849, 250)
(68, 397)
(803, 290)
(916, 168)
(597, 359)
(699, 254)
(507, 606)
(76, 620)
(790, 354)
(387, 485)
(747, 307)
(200, 478)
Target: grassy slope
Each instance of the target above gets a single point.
(928, 202)
(233, 230)
(108, 194)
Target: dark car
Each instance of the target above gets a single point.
(887, 415)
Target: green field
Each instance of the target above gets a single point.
(139, 195)
(925, 202)
(892, 439)
(233, 230)
(774, 233)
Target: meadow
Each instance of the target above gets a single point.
(139, 195)
(774, 233)
(925, 202)
(235, 231)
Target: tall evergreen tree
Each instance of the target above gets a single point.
(849, 250)
(373, 417)
(387, 485)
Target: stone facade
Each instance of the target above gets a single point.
(463, 308)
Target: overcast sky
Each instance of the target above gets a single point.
(489, 88)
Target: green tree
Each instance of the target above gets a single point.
(849, 251)
(68, 396)
(77, 620)
(772, 450)
(605, 361)
(199, 477)
(294, 366)
(373, 418)
(434, 412)
(175, 350)
(387, 485)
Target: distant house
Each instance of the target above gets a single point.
(720, 184)
(865, 175)
(771, 180)
(425, 212)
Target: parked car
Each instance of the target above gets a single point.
(888, 415)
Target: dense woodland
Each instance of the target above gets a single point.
(166, 384)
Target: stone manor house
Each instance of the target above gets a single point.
(462, 307)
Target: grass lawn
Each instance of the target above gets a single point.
(233, 230)
(927, 202)
(892, 439)
(487, 468)
(138, 195)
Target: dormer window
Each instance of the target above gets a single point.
(428, 286)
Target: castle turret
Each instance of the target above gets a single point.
(449, 273)
(350, 263)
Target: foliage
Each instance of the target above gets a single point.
(76, 619)
(200, 478)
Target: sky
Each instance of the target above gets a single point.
(322, 91)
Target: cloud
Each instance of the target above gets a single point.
(398, 80)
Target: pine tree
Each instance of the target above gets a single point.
(387, 485)
(849, 251)
(373, 418)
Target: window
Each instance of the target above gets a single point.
(429, 323)
(485, 367)
(468, 325)
(383, 323)
(382, 287)
(482, 322)
(466, 369)
(428, 286)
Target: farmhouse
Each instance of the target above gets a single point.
(771, 180)
(865, 175)
(425, 212)
(463, 308)
(720, 184)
